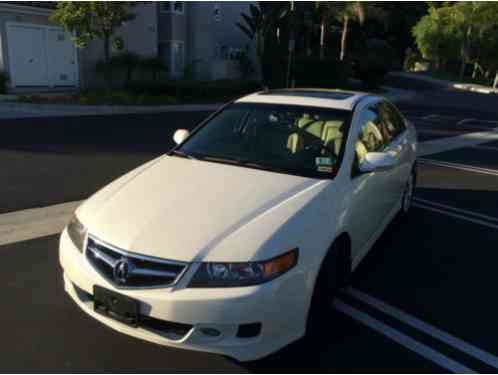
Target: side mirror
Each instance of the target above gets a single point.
(377, 162)
(180, 136)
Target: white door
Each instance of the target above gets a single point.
(27, 55)
(370, 192)
(41, 55)
(61, 54)
(398, 148)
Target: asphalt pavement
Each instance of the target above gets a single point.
(421, 301)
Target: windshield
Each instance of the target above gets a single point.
(298, 140)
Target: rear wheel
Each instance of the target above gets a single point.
(333, 275)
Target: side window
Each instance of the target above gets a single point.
(370, 137)
(392, 122)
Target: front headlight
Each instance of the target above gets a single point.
(215, 275)
(77, 233)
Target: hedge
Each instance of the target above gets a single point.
(322, 73)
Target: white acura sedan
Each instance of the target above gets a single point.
(236, 240)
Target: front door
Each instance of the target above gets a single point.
(370, 199)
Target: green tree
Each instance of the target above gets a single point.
(435, 37)
(400, 19)
(89, 20)
(344, 12)
(261, 25)
(464, 31)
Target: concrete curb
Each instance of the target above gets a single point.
(474, 88)
(449, 84)
(13, 110)
(422, 78)
(45, 110)
(398, 95)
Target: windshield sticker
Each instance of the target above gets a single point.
(324, 169)
(323, 162)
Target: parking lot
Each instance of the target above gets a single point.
(421, 301)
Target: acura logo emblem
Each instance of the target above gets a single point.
(122, 270)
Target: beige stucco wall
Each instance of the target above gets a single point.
(206, 33)
(140, 36)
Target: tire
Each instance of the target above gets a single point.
(334, 274)
(406, 200)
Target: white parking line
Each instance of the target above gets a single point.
(402, 339)
(457, 216)
(426, 328)
(464, 167)
(473, 120)
(35, 222)
(471, 213)
(487, 148)
(435, 117)
(436, 146)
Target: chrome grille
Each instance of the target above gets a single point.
(128, 270)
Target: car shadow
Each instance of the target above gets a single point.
(338, 351)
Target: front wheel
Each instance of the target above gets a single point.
(333, 275)
(406, 200)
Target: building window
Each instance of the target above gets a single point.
(173, 56)
(171, 7)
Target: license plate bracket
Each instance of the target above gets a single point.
(116, 306)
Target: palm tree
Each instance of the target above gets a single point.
(261, 22)
(344, 12)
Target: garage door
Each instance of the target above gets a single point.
(41, 56)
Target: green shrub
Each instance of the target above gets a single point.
(155, 100)
(185, 90)
(24, 99)
(326, 73)
(121, 97)
(411, 58)
(153, 65)
(246, 66)
(374, 62)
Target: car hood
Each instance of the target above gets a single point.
(178, 208)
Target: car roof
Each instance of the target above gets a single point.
(325, 98)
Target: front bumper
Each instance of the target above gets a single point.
(280, 306)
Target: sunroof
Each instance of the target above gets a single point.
(335, 95)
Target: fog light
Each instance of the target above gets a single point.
(249, 330)
(212, 332)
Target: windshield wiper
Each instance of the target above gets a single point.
(265, 167)
(183, 154)
(224, 160)
(243, 162)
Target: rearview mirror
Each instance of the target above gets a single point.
(180, 136)
(377, 162)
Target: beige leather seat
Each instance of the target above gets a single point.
(332, 135)
(372, 137)
(361, 151)
(295, 143)
(330, 132)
